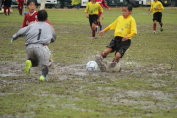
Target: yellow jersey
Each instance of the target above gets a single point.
(93, 8)
(156, 6)
(123, 27)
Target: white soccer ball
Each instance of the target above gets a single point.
(91, 66)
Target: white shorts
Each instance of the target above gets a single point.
(39, 54)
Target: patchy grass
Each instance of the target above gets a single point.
(146, 86)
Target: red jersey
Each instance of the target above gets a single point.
(29, 18)
(102, 3)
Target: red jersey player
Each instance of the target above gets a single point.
(20, 6)
(102, 3)
(31, 16)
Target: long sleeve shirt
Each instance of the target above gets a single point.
(93, 8)
(123, 27)
(37, 33)
(156, 6)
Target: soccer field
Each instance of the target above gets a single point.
(146, 87)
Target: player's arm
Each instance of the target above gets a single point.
(21, 32)
(53, 36)
(105, 5)
(133, 31)
(24, 22)
(150, 9)
(101, 10)
(86, 11)
(112, 26)
(160, 7)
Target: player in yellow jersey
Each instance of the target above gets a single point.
(91, 11)
(156, 8)
(125, 28)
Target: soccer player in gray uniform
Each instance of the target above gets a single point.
(37, 35)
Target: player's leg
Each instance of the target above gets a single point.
(99, 23)
(94, 24)
(154, 22)
(5, 10)
(160, 21)
(30, 59)
(121, 47)
(8, 11)
(99, 57)
(42, 54)
(93, 27)
(20, 7)
(154, 26)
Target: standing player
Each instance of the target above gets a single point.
(91, 11)
(37, 35)
(7, 5)
(31, 16)
(125, 28)
(20, 6)
(156, 8)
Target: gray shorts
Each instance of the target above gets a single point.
(39, 55)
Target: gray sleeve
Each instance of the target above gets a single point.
(21, 32)
(54, 36)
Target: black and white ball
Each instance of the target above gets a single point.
(91, 66)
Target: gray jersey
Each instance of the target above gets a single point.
(37, 33)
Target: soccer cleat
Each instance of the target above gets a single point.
(42, 78)
(161, 29)
(28, 66)
(99, 61)
(112, 65)
(154, 32)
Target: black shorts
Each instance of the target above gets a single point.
(118, 45)
(157, 16)
(93, 19)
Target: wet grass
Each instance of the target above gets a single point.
(146, 86)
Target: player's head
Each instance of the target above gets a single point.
(42, 15)
(31, 5)
(126, 10)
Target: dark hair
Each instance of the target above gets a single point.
(42, 15)
(129, 6)
(29, 1)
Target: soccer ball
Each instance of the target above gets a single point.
(91, 66)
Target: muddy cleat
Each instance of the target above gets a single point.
(99, 61)
(161, 29)
(28, 66)
(154, 32)
(42, 78)
(112, 65)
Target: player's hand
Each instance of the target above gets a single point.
(125, 38)
(11, 40)
(101, 32)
